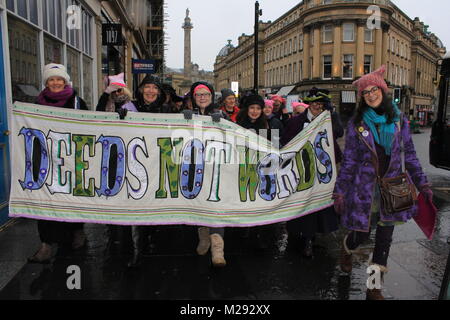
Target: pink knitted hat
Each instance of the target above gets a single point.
(117, 80)
(375, 78)
(268, 103)
(296, 104)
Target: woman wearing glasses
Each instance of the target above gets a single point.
(373, 144)
(202, 97)
(302, 231)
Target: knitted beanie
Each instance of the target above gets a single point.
(375, 78)
(117, 80)
(55, 70)
(268, 103)
(226, 93)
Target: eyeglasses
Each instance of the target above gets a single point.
(365, 93)
(202, 95)
(316, 104)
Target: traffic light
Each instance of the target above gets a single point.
(397, 95)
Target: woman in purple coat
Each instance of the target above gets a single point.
(374, 135)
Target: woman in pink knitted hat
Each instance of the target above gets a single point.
(116, 97)
(373, 148)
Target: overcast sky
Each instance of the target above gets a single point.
(216, 21)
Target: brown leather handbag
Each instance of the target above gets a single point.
(397, 193)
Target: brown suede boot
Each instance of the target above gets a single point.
(346, 260)
(374, 294)
(217, 246)
(204, 241)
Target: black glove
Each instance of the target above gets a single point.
(122, 113)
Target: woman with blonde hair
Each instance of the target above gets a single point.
(116, 97)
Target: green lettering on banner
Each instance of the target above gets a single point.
(248, 176)
(81, 165)
(169, 161)
(306, 166)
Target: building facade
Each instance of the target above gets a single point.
(329, 44)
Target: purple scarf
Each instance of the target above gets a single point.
(59, 99)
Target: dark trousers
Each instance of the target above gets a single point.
(57, 232)
(383, 240)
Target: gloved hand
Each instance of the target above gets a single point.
(111, 88)
(426, 191)
(339, 205)
(122, 113)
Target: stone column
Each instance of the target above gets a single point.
(337, 50)
(384, 59)
(378, 48)
(316, 52)
(359, 68)
(306, 54)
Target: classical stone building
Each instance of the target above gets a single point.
(329, 44)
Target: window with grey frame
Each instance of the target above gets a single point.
(347, 67)
(327, 67)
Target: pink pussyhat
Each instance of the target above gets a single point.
(117, 80)
(268, 103)
(375, 78)
(296, 104)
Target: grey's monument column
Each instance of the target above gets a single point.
(187, 26)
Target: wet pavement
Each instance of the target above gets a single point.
(171, 270)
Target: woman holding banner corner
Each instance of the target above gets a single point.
(58, 92)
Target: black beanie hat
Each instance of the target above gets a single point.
(253, 99)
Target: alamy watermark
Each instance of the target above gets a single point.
(374, 279)
(74, 280)
(73, 17)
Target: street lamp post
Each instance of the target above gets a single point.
(258, 13)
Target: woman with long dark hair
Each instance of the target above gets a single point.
(252, 117)
(373, 148)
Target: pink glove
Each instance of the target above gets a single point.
(339, 205)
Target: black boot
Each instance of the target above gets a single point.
(307, 248)
(138, 244)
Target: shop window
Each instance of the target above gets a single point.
(87, 80)
(52, 51)
(24, 61)
(73, 68)
(22, 8)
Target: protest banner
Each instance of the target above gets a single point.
(149, 169)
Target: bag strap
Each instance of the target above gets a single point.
(402, 147)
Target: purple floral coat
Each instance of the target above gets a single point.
(357, 177)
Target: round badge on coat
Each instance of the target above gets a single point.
(365, 133)
(361, 129)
